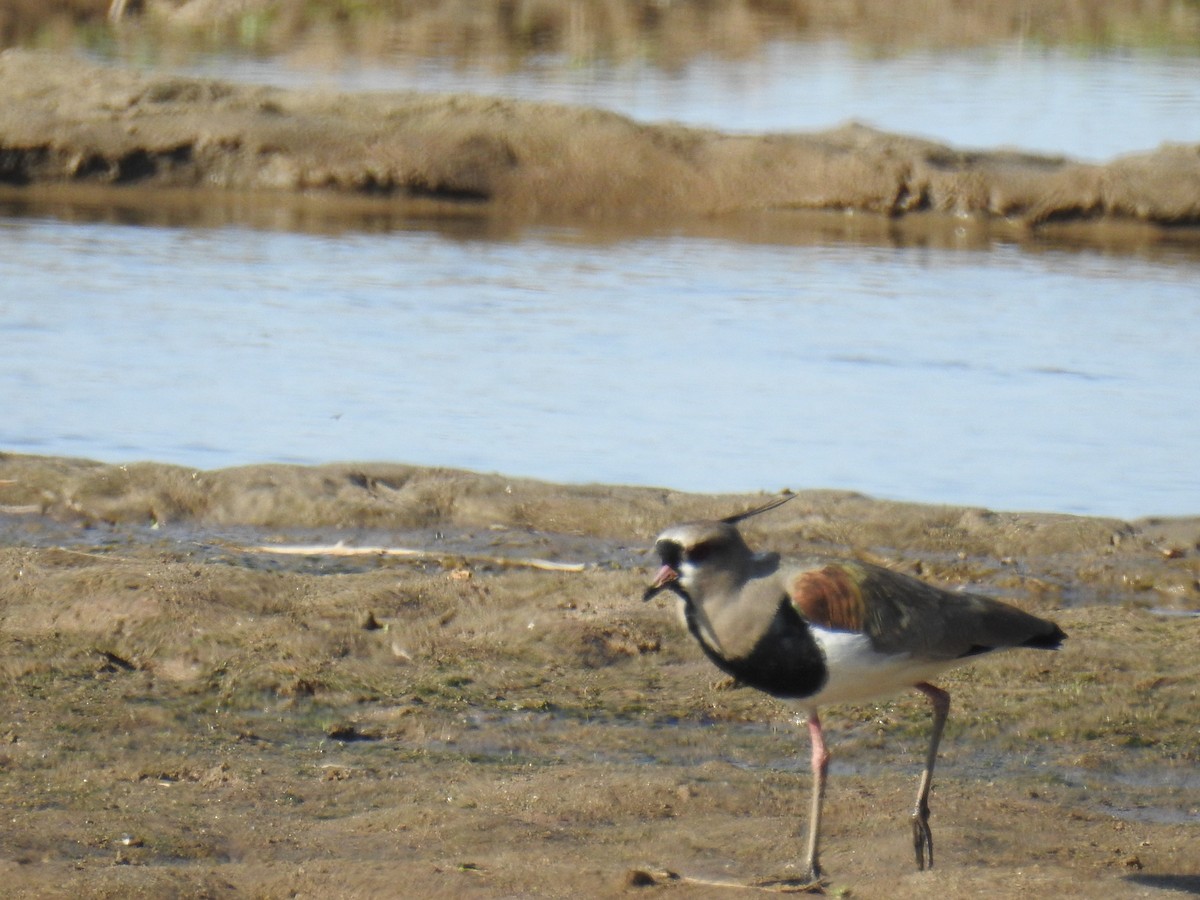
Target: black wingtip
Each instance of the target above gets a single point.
(1051, 640)
(766, 507)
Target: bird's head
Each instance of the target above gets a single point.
(699, 558)
(692, 554)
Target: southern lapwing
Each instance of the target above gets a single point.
(822, 631)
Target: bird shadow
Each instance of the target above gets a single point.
(1188, 884)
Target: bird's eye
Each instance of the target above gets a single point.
(699, 553)
(669, 552)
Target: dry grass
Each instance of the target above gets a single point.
(670, 34)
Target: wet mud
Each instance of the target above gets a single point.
(191, 708)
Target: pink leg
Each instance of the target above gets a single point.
(820, 766)
(922, 837)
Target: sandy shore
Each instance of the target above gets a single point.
(191, 712)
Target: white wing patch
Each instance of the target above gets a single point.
(857, 671)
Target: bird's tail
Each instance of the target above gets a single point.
(1050, 640)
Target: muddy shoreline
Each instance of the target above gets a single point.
(189, 712)
(67, 122)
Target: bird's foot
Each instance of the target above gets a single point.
(922, 840)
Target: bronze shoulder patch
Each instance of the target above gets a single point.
(829, 597)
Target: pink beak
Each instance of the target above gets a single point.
(664, 577)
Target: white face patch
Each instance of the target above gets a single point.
(857, 671)
(687, 575)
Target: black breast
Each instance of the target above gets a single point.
(786, 662)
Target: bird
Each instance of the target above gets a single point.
(824, 630)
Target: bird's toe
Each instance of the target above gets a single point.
(813, 874)
(922, 841)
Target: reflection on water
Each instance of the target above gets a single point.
(1017, 380)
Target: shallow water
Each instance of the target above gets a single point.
(1000, 377)
(993, 376)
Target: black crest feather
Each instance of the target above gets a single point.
(738, 517)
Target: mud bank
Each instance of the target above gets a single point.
(187, 713)
(66, 122)
(1154, 562)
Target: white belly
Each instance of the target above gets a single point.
(857, 672)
